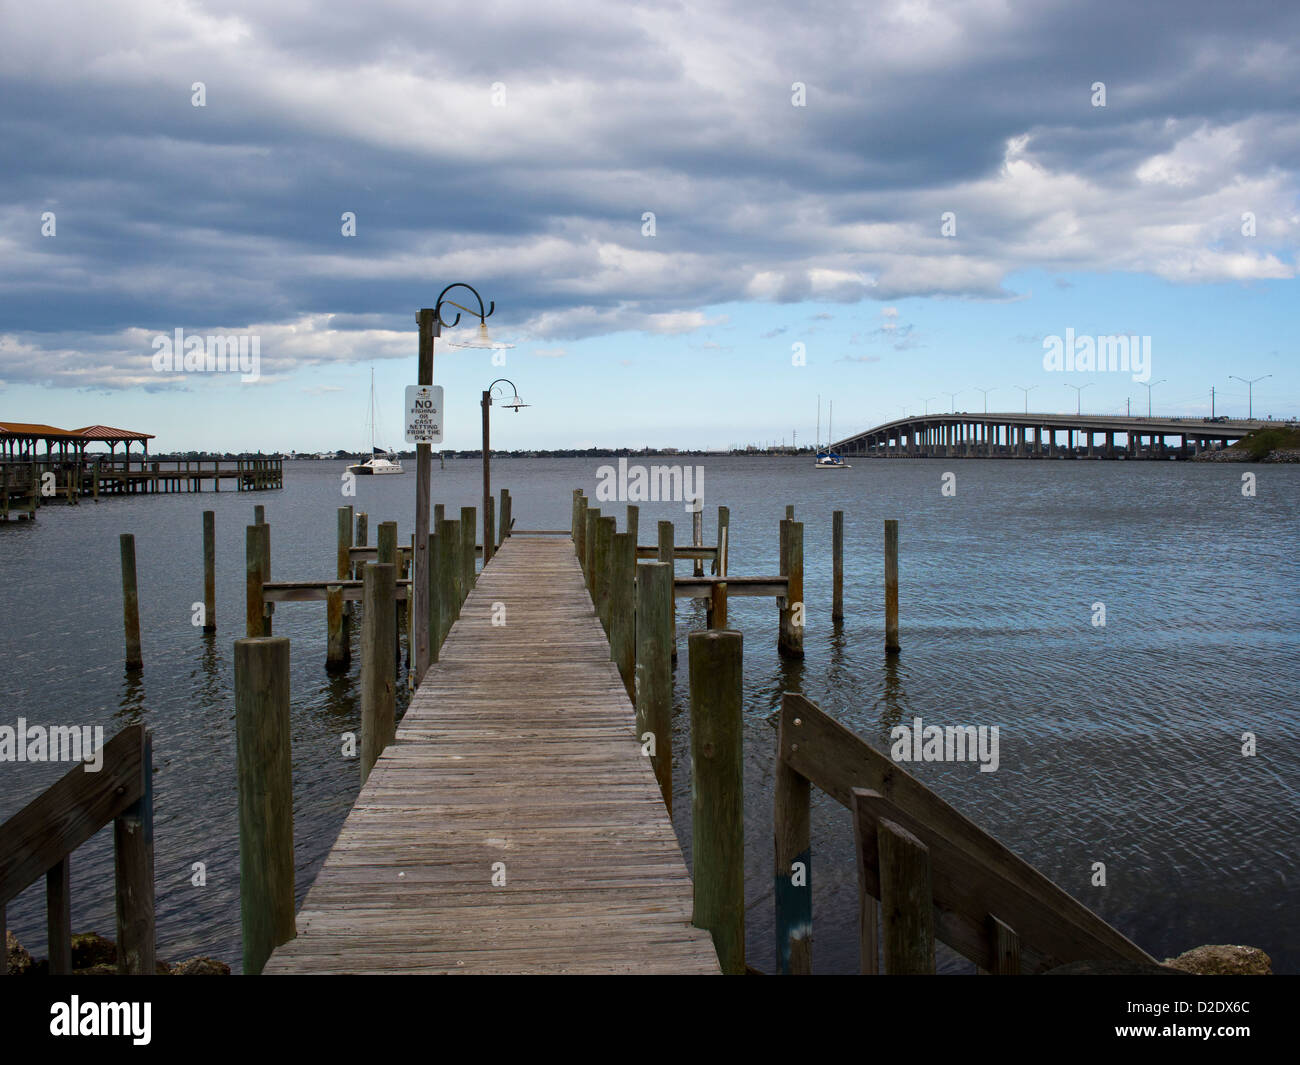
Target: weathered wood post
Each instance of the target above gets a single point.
(378, 647)
(343, 565)
(697, 537)
(265, 797)
(489, 523)
(837, 566)
(209, 571)
(789, 512)
(718, 606)
(469, 533)
(789, 642)
(666, 554)
(622, 608)
(578, 524)
(505, 514)
(130, 602)
(604, 549)
(338, 650)
(434, 598)
(906, 901)
(590, 518)
(891, 586)
(654, 669)
(791, 806)
(386, 554)
(717, 793)
(363, 531)
(259, 514)
(133, 876)
(264, 555)
(457, 575)
(253, 581)
(445, 565)
(719, 567)
(633, 523)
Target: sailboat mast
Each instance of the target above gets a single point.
(818, 443)
(830, 425)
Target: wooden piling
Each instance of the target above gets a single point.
(433, 599)
(906, 901)
(343, 564)
(667, 532)
(718, 606)
(622, 608)
(697, 538)
(259, 514)
(837, 566)
(604, 547)
(133, 878)
(378, 648)
(590, 517)
(790, 639)
(719, 567)
(457, 574)
(445, 576)
(130, 603)
(209, 571)
(469, 534)
(338, 652)
(489, 523)
(386, 555)
(506, 518)
(266, 868)
(654, 669)
(579, 524)
(793, 869)
(717, 793)
(633, 522)
(891, 587)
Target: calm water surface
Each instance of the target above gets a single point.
(1119, 744)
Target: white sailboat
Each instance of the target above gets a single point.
(827, 459)
(379, 463)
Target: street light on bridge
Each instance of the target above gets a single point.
(1149, 387)
(986, 392)
(953, 396)
(1078, 389)
(1026, 391)
(927, 403)
(1250, 392)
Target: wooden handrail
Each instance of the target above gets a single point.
(39, 838)
(981, 890)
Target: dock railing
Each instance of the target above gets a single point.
(935, 873)
(40, 838)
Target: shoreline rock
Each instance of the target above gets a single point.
(1223, 960)
(96, 955)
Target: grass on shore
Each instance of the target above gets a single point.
(1263, 441)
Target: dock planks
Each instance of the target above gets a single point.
(518, 748)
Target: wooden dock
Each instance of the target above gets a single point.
(514, 826)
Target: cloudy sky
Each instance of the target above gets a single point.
(693, 218)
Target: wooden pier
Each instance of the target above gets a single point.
(514, 826)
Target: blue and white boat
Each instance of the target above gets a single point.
(829, 460)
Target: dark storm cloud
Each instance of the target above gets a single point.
(227, 217)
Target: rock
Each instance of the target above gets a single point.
(200, 966)
(90, 949)
(1111, 967)
(17, 960)
(1223, 961)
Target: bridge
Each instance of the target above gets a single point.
(1028, 435)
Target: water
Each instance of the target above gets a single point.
(1118, 744)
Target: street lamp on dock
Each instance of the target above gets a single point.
(515, 404)
(431, 320)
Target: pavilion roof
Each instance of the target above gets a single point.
(107, 432)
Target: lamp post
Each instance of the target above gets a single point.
(1149, 387)
(1026, 391)
(953, 396)
(431, 321)
(1250, 392)
(986, 392)
(514, 404)
(1078, 391)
